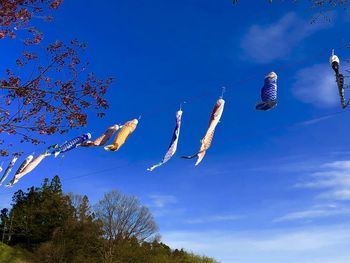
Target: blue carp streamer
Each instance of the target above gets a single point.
(268, 93)
(71, 144)
(173, 144)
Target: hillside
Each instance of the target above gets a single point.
(13, 255)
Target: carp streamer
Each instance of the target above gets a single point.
(173, 144)
(71, 144)
(268, 93)
(28, 168)
(9, 169)
(100, 141)
(207, 139)
(124, 133)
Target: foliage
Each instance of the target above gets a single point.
(77, 240)
(154, 252)
(36, 214)
(61, 228)
(44, 98)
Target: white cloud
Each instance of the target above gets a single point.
(160, 201)
(343, 165)
(322, 244)
(266, 43)
(213, 219)
(315, 212)
(316, 85)
(315, 120)
(333, 181)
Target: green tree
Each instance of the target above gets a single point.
(4, 217)
(36, 214)
(61, 228)
(78, 240)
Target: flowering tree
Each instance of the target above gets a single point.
(58, 94)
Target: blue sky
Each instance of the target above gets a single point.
(275, 186)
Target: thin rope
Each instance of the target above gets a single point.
(223, 91)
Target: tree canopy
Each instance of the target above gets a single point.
(48, 89)
(59, 227)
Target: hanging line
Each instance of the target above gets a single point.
(295, 125)
(223, 92)
(343, 46)
(180, 108)
(247, 79)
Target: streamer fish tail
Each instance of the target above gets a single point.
(200, 156)
(112, 147)
(154, 166)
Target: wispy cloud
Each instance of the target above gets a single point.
(333, 179)
(314, 212)
(266, 43)
(322, 244)
(330, 185)
(315, 120)
(213, 219)
(160, 201)
(164, 205)
(316, 85)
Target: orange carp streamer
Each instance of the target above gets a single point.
(100, 141)
(124, 133)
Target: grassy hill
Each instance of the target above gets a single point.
(13, 255)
